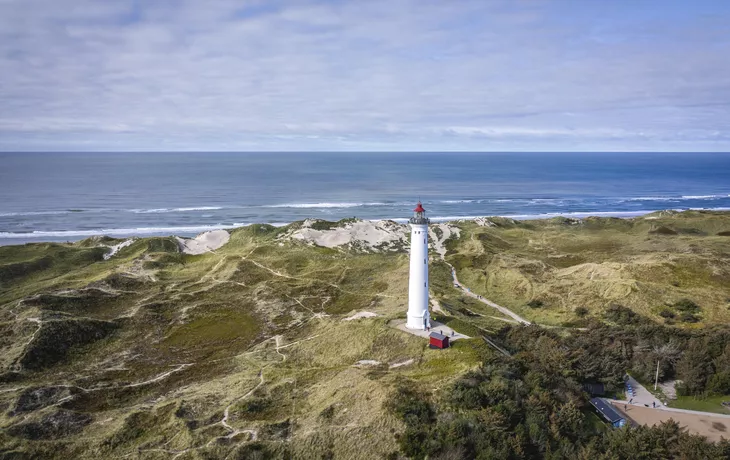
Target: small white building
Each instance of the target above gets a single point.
(418, 316)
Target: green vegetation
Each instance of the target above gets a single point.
(245, 352)
(704, 404)
(543, 270)
(531, 405)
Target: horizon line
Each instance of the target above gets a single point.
(366, 151)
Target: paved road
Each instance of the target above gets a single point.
(435, 327)
(641, 396)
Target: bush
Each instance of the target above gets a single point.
(622, 315)
(581, 312)
(162, 245)
(687, 305)
(666, 312)
(323, 225)
(535, 303)
(256, 405)
(681, 389)
(687, 317)
(407, 404)
(719, 384)
(327, 413)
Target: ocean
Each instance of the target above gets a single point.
(70, 196)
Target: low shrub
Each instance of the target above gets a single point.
(535, 303)
(686, 305)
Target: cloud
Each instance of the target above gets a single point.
(376, 75)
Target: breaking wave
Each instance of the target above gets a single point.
(324, 205)
(38, 213)
(166, 210)
(676, 198)
(120, 231)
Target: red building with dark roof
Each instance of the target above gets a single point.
(437, 340)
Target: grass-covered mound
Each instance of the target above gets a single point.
(55, 338)
(563, 265)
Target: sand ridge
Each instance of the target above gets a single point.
(359, 234)
(205, 242)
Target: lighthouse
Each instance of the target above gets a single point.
(418, 317)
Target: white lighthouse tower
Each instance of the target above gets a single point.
(418, 317)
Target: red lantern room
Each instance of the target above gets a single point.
(419, 215)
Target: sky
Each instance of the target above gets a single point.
(364, 75)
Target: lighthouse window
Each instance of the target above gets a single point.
(424, 284)
(424, 261)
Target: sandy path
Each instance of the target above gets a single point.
(438, 245)
(301, 278)
(359, 315)
(154, 379)
(501, 309)
(117, 247)
(435, 306)
(224, 420)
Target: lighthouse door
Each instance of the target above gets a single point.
(425, 323)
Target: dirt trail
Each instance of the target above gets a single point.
(223, 422)
(438, 244)
(500, 308)
(301, 278)
(155, 379)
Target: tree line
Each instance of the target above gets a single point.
(532, 404)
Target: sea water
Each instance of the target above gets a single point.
(70, 196)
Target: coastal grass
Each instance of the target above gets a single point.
(259, 327)
(706, 404)
(545, 270)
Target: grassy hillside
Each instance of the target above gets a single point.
(156, 353)
(246, 351)
(546, 270)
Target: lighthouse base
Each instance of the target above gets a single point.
(421, 322)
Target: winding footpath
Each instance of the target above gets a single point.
(438, 245)
(505, 311)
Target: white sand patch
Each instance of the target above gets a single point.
(117, 247)
(447, 231)
(435, 306)
(361, 314)
(364, 235)
(407, 362)
(205, 242)
(367, 362)
(484, 222)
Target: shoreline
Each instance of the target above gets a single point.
(72, 236)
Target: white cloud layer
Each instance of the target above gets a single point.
(364, 75)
